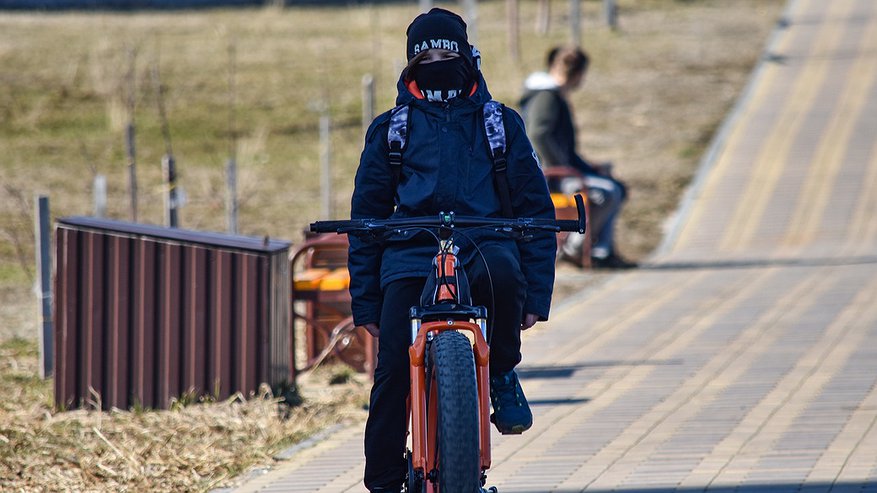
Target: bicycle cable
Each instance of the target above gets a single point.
(492, 307)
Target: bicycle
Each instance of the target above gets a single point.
(449, 405)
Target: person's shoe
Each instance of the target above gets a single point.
(571, 251)
(612, 261)
(573, 259)
(385, 490)
(511, 413)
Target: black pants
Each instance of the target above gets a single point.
(387, 425)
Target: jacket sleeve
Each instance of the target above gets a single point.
(542, 113)
(530, 198)
(373, 198)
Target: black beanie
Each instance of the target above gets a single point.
(438, 28)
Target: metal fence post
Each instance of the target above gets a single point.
(326, 165)
(132, 169)
(610, 10)
(513, 16)
(543, 17)
(231, 167)
(368, 101)
(100, 196)
(470, 9)
(44, 279)
(231, 202)
(575, 20)
(169, 168)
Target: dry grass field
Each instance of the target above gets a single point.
(658, 87)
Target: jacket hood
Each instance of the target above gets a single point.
(540, 81)
(535, 82)
(479, 97)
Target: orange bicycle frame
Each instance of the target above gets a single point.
(423, 420)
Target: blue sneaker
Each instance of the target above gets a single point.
(511, 413)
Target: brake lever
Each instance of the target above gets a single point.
(514, 233)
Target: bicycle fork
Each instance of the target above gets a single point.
(423, 425)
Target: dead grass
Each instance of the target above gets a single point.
(658, 88)
(188, 448)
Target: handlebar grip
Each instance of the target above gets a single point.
(583, 216)
(328, 226)
(567, 225)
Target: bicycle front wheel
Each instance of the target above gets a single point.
(459, 464)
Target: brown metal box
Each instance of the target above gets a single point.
(144, 314)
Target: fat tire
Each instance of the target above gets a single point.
(459, 464)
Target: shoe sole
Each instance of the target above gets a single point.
(515, 430)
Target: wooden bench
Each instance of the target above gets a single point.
(321, 305)
(565, 208)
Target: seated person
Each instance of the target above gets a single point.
(549, 121)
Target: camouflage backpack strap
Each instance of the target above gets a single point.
(496, 140)
(397, 139)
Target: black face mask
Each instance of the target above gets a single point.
(443, 80)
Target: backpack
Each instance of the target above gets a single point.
(494, 129)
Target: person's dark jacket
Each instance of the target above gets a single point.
(550, 124)
(446, 167)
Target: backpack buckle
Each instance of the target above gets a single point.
(499, 164)
(395, 158)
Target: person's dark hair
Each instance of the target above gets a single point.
(407, 72)
(572, 59)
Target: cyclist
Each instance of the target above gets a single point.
(446, 166)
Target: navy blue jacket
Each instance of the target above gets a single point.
(446, 167)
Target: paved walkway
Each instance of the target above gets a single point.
(745, 356)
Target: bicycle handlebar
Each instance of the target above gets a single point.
(450, 220)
